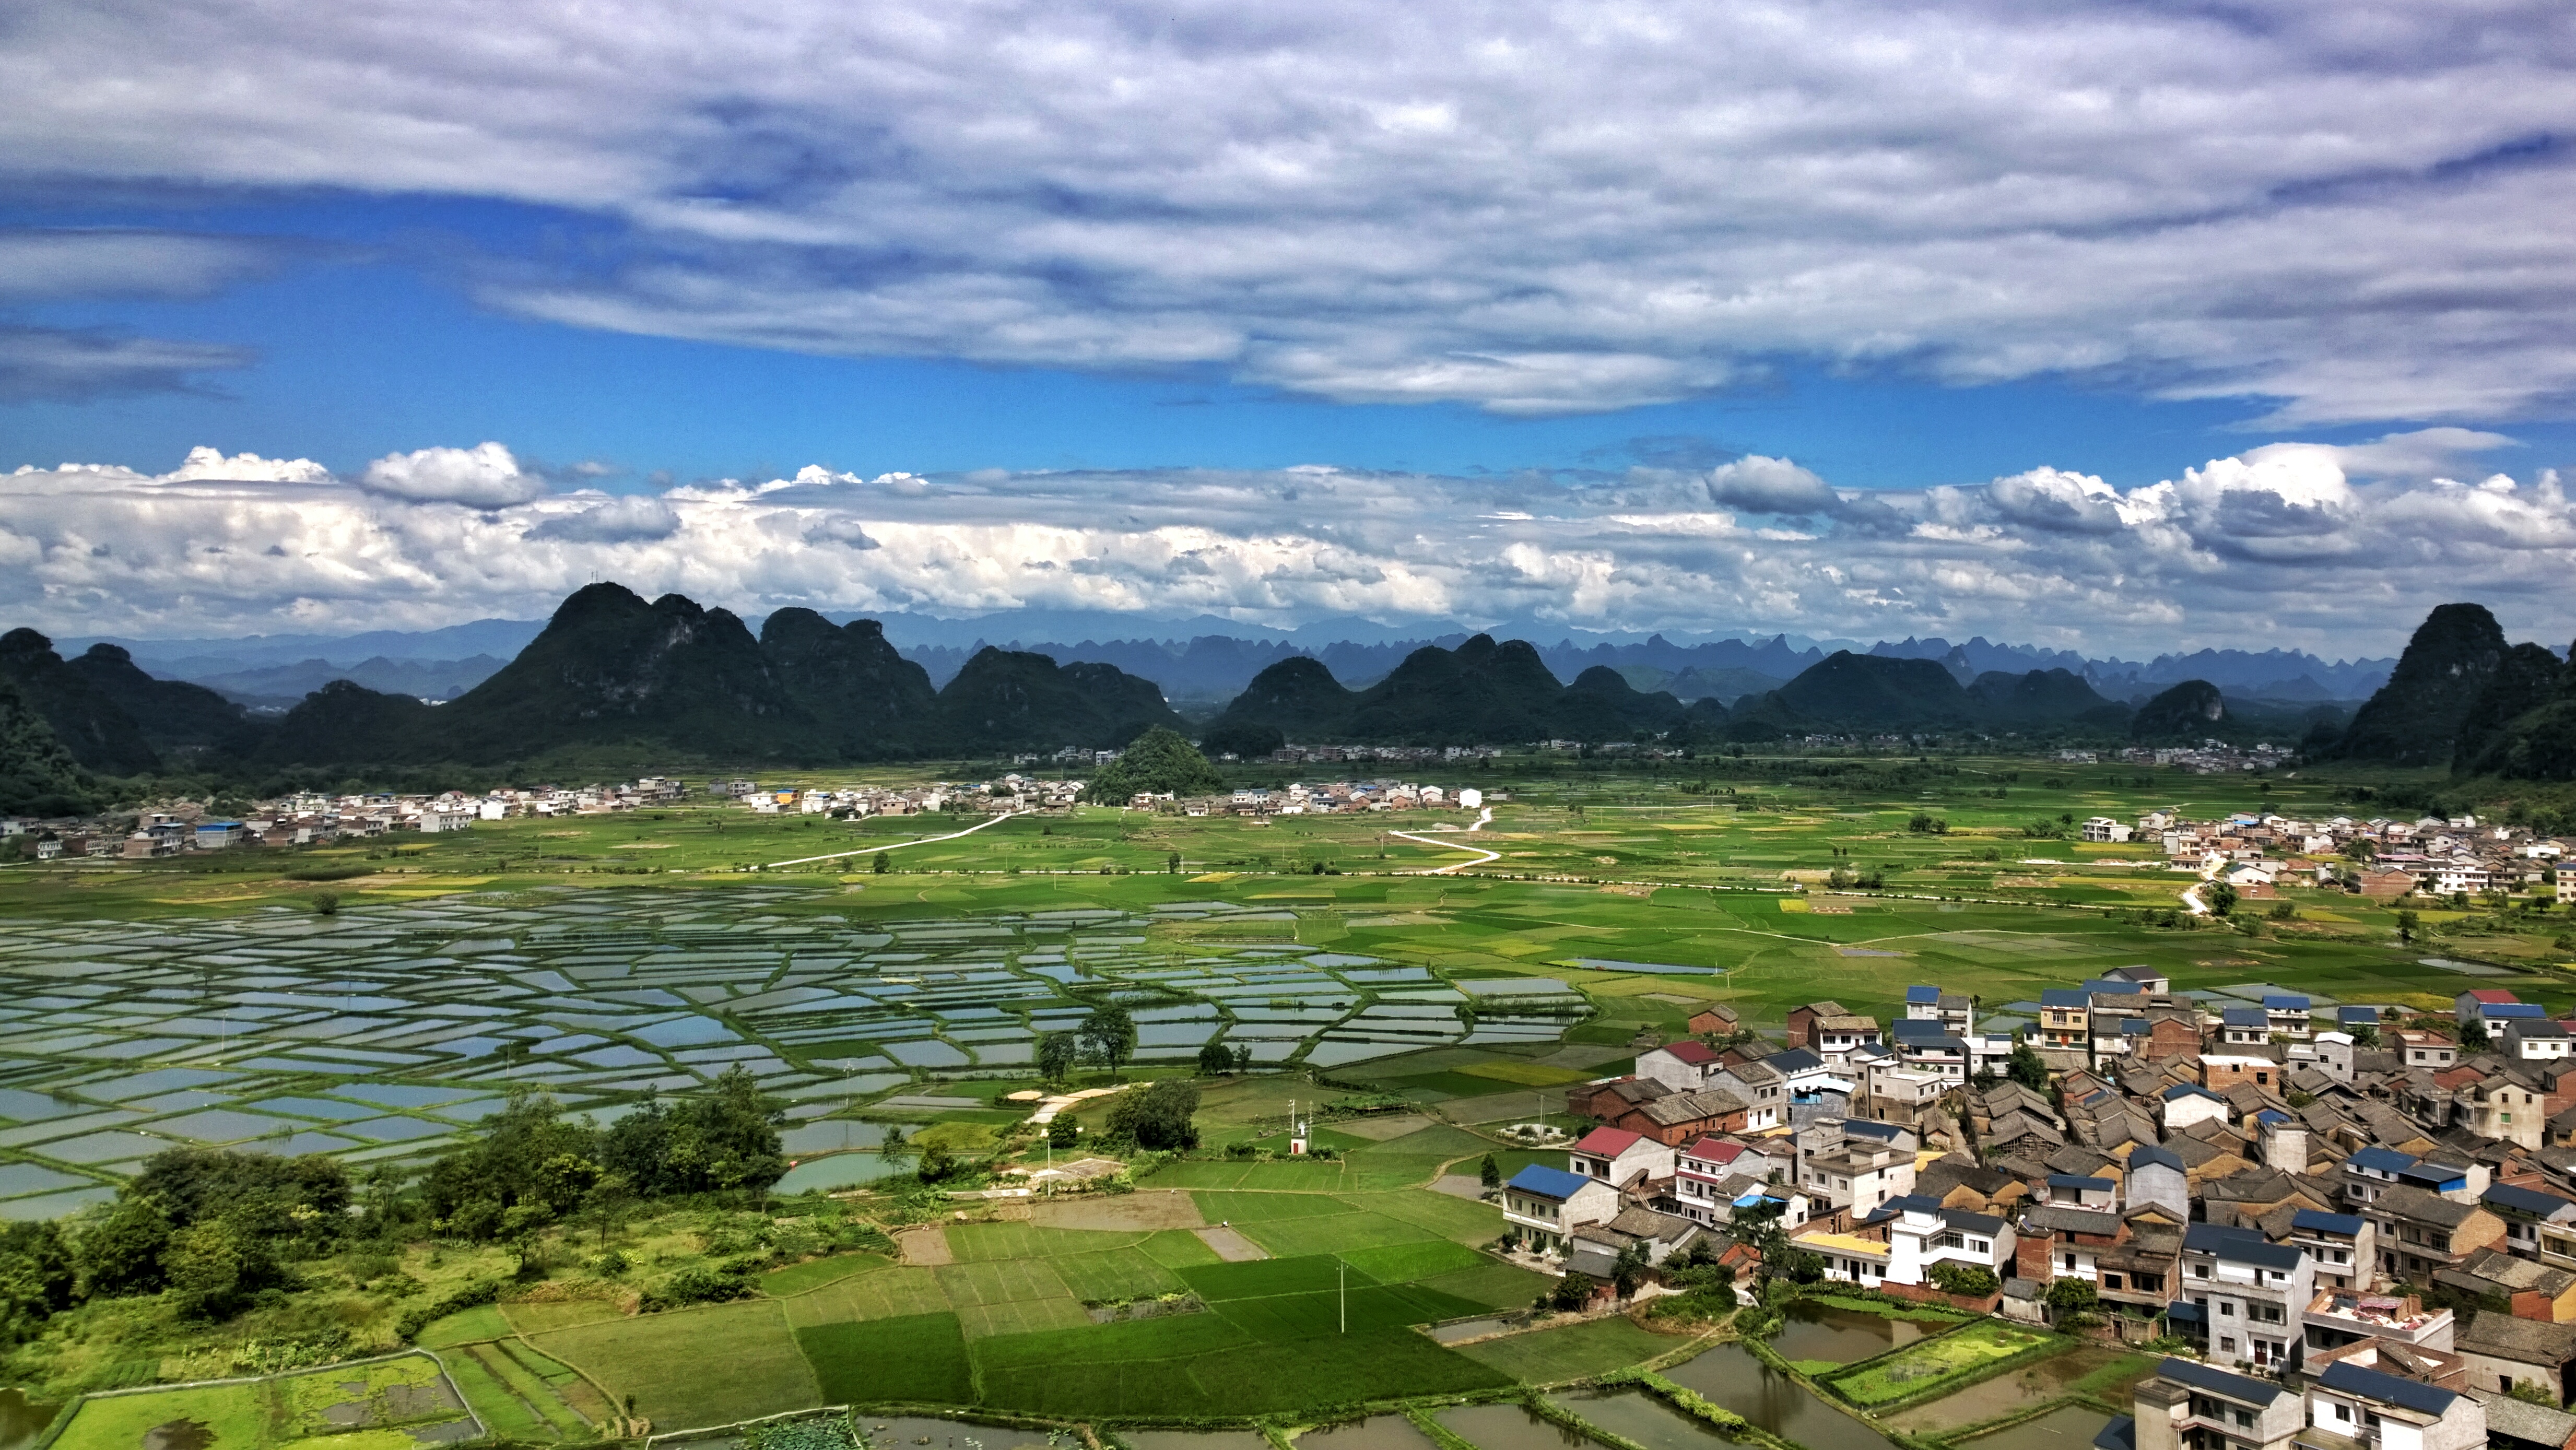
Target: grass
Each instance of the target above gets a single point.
(1190, 1367)
(1907, 1373)
(1394, 1263)
(1570, 1352)
(1339, 1234)
(502, 1411)
(1118, 1274)
(1261, 1278)
(1493, 1285)
(663, 1360)
(528, 1384)
(999, 1282)
(915, 1357)
(466, 1326)
(815, 1273)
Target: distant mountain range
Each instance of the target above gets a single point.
(1203, 662)
(668, 681)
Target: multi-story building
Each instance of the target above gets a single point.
(2244, 1294)
(2371, 1409)
(2343, 1246)
(1921, 1233)
(1544, 1205)
(2422, 1233)
(1858, 1173)
(1953, 1010)
(2337, 1317)
(2065, 1017)
(2537, 1225)
(2187, 1406)
(1619, 1158)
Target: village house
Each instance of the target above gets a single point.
(1543, 1205)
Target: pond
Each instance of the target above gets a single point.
(1195, 1439)
(1638, 1416)
(2070, 1428)
(2029, 1385)
(1504, 1427)
(1468, 1329)
(840, 1170)
(1845, 1336)
(831, 1136)
(1729, 1375)
(22, 1419)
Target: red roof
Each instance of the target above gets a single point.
(1608, 1142)
(1692, 1051)
(2493, 996)
(1714, 1150)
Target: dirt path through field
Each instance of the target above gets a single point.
(1230, 1246)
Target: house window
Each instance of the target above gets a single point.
(2343, 1413)
(2110, 1281)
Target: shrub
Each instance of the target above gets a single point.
(1967, 1280)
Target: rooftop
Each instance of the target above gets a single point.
(1608, 1142)
(1546, 1182)
(2353, 1379)
(2219, 1382)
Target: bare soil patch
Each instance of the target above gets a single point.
(926, 1246)
(1230, 1246)
(1145, 1209)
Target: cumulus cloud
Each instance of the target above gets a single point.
(2278, 545)
(483, 476)
(1533, 206)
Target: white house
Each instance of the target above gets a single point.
(1923, 1234)
(2535, 1040)
(2103, 829)
(1684, 1067)
(2186, 1104)
(1618, 1157)
(1544, 1204)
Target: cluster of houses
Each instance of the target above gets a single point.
(1339, 798)
(2431, 855)
(2356, 1218)
(312, 818)
(1398, 754)
(1012, 792)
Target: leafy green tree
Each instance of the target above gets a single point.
(2220, 898)
(1490, 1173)
(1159, 1118)
(213, 1267)
(2533, 1392)
(121, 1253)
(2072, 1296)
(2026, 1067)
(1216, 1060)
(1057, 1052)
(1108, 1036)
(1159, 761)
(1243, 1058)
(1572, 1292)
(2408, 923)
(1063, 1133)
(879, 867)
(38, 1279)
(1628, 1271)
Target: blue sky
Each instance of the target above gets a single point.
(2128, 324)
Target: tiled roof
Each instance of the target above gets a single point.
(2220, 1382)
(2355, 1379)
(1608, 1142)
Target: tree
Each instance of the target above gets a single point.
(1108, 1036)
(2071, 1296)
(879, 866)
(1243, 1058)
(1216, 1060)
(1158, 1119)
(1628, 1271)
(1056, 1054)
(1490, 1173)
(2407, 923)
(1158, 762)
(2364, 1035)
(1572, 1292)
(1063, 1133)
(121, 1253)
(213, 1267)
(2220, 898)
(2533, 1392)
(2026, 1067)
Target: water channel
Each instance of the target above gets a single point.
(1507, 1427)
(1729, 1375)
(1377, 1432)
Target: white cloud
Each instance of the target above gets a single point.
(610, 521)
(484, 476)
(1770, 486)
(2275, 546)
(63, 365)
(2356, 207)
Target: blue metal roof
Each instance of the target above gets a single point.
(1910, 1028)
(2285, 1004)
(1796, 1059)
(2526, 1200)
(1548, 1182)
(1867, 1129)
(2348, 1225)
(2183, 1311)
(2511, 1010)
(1922, 994)
(2074, 1180)
(2066, 997)
(2440, 1177)
(2220, 1382)
(2147, 1155)
(2357, 1014)
(2379, 1385)
(2383, 1160)
(2240, 1246)
(2245, 1017)
(2182, 1090)
(2120, 1434)
(2113, 986)
(2271, 1115)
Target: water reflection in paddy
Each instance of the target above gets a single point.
(22, 1420)
(1195, 1439)
(1729, 1375)
(1820, 1331)
(2071, 1428)
(1377, 1432)
(1504, 1427)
